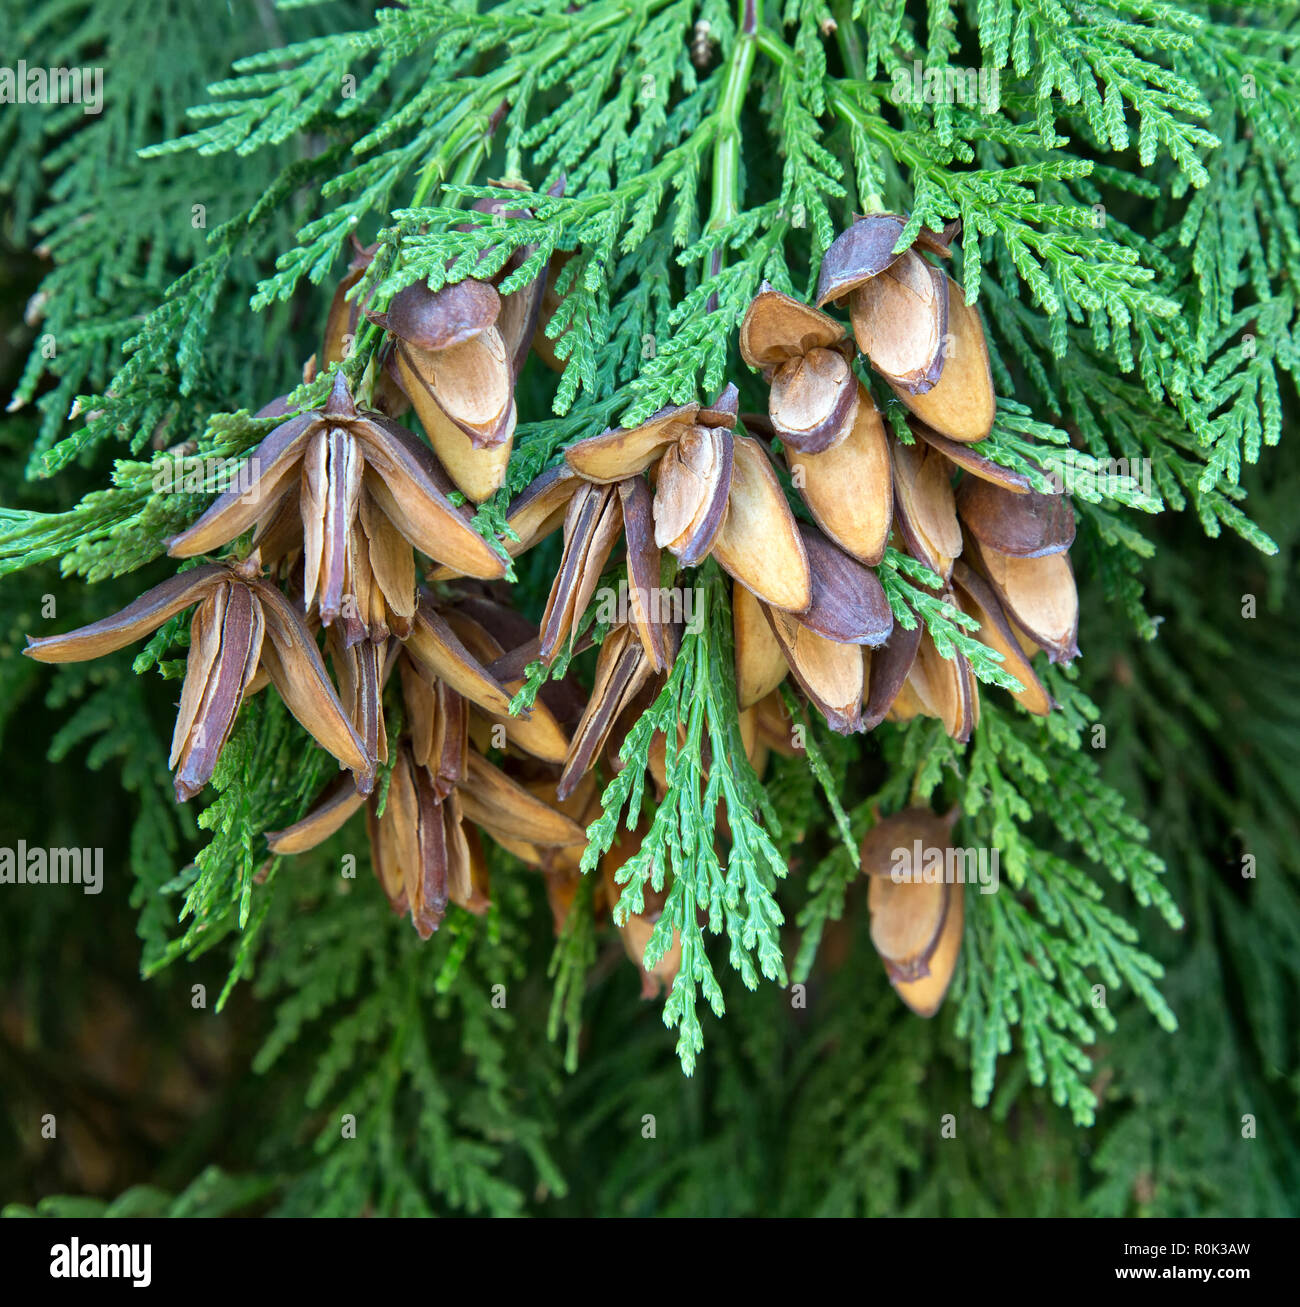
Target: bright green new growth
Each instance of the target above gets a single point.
(1127, 202)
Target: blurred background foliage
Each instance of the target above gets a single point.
(833, 1107)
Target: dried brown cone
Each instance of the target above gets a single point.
(803, 354)
(998, 521)
(715, 494)
(424, 848)
(1020, 524)
(621, 452)
(408, 839)
(885, 671)
(822, 646)
(345, 467)
(977, 600)
(898, 301)
(912, 322)
(831, 435)
(508, 810)
(540, 508)
(437, 720)
(961, 404)
(692, 484)
(1037, 594)
(484, 628)
(917, 916)
(559, 864)
(378, 599)
(849, 487)
(994, 521)
(422, 852)
(1019, 544)
(449, 685)
(828, 672)
(455, 365)
(592, 525)
(594, 517)
(440, 655)
(361, 669)
(411, 851)
(759, 544)
(601, 491)
(760, 660)
(925, 509)
(622, 671)
(940, 687)
(242, 626)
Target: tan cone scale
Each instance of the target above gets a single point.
(758, 544)
(849, 487)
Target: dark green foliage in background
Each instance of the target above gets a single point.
(1131, 231)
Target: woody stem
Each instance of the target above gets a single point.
(725, 203)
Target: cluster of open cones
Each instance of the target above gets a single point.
(344, 497)
(997, 546)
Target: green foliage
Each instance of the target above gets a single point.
(211, 1194)
(382, 1011)
(122, 235)
(739, 897)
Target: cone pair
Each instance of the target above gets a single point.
(832, 438)
(912, 323)
(715, 495)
